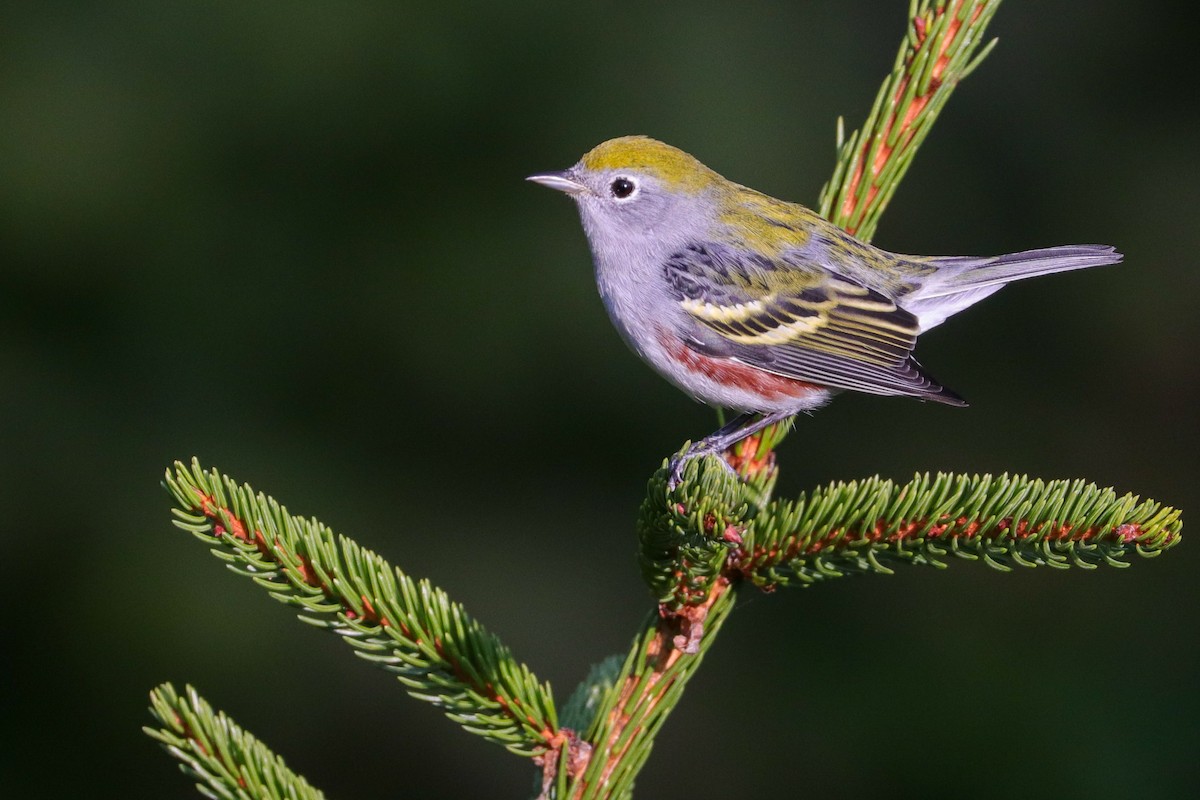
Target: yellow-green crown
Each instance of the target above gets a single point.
(669, 164)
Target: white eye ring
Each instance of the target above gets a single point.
(622, 188)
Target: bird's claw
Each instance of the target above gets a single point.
(679, 461)
(675, 470)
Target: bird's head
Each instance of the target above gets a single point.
(636, 187)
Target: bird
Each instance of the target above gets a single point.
(759, 305)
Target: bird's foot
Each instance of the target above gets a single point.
(679, 461)
(715, 444)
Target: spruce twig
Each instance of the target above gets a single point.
(228, 762)
(407, 627)
(941, 48)
(682, 554)
(1005, 521)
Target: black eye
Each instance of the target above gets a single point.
(622, 188)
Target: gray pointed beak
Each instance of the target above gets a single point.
(561, 181)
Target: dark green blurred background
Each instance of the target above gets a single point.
(293, 239)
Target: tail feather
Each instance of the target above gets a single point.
(958, 273)
(962, 281)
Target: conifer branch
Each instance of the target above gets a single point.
(666, 654)
(941, 48)
(1005, 521)
(408, 627)
(228, 761)
(685, 538)
(709, 530)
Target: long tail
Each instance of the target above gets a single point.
(961, 281)
(959, 273)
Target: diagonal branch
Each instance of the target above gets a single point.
(225, 759)
(942, 47)
(408, 627)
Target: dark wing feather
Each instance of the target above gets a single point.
(798, 319)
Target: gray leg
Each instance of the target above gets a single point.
(722, 439)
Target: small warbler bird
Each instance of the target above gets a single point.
(759, 305)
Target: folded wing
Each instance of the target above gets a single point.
(797, 319)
